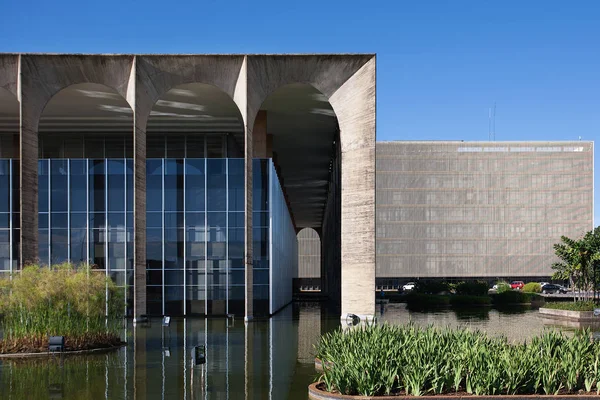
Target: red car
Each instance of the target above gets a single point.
(517, 285)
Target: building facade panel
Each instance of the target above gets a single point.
(479, 209)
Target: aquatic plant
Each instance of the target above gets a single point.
(386, 359)
(577, 306)
(80, 303)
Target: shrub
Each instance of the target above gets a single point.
(572, 306)
(515, 297)
(59, 301)
(532, 287)
(472, 288)
(502, 287)
(384, 359)
(459, 300)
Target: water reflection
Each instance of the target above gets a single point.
(270, 359)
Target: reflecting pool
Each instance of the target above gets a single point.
(269, 359)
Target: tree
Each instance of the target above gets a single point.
(579, 261)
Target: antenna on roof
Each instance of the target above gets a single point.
(494, 123)
(489, 124)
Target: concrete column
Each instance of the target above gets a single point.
(354, 103)
(29, 185)
(259, 135)
(33, 98)
(139, 225)
(248, 240)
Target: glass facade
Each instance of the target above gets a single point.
(194, 229)
(195, 236)
(9, 215)
(86, 215)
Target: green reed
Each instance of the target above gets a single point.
(384, 359)
(64, 301)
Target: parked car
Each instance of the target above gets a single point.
(551, 288)
(542, 284)
(517, 285)
(409, 286)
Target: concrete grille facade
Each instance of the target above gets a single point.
(479, 209)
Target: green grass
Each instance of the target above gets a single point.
(384, 359)
(572, 306)
(59, 301)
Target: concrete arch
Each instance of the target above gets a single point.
(326, 73)
(156, 75)
(44, 76)
(302, 129)
(74, 114)
(349, 84)
(199, 107)
(9, 74)
(309, 254)
(9, 124)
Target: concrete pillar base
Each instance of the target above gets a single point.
(363, 319)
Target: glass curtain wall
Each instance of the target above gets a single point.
(195, 236)
(9, 215)
(195, 228)
(86, 216)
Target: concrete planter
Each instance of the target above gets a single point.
(568, 315)
(314, 393)
(319, 365)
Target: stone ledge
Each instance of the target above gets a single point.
(568, 314)
(64, 353)
(315, 393)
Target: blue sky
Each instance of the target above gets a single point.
(440, 64)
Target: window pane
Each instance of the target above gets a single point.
(195, 146)
(78, 190)
(260, 182)
(97, 185)
(214, 146)
(58, 185)
(236, 184)
(59, 246)
(116, 185)
(154, 192)
(4, 186)
(154, 248)
(78, 246)
(216, 185)
(194, 185)
(174, 246)
(174, 185)
(43, 176)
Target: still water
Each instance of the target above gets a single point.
(270, 359)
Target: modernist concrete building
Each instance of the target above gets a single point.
(473, 210)
(187, 177)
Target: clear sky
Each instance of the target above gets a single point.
(441, 64)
